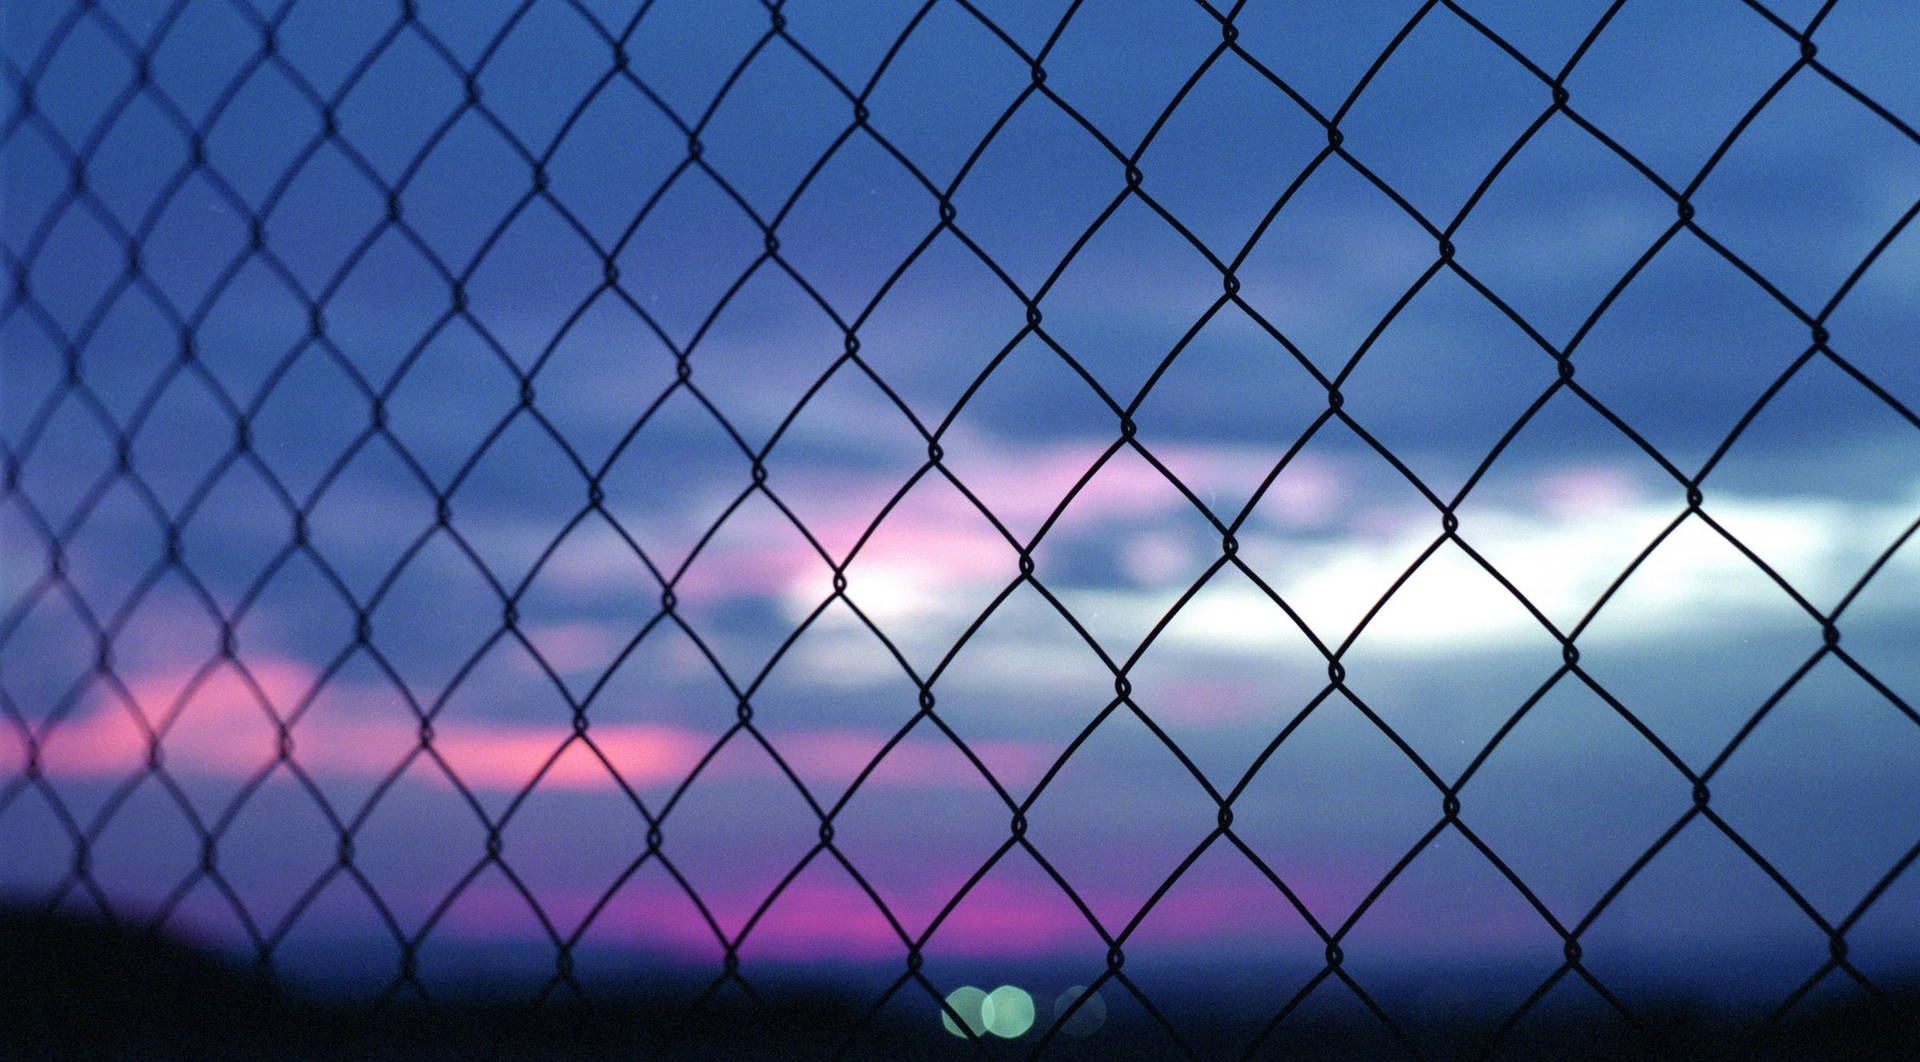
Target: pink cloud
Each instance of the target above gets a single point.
(105, 741)
(107, 738)
(1125, 486)
(824, 915)
(1210, 701)
(507, 756)
(223, 730)
(1578, 493)
(13, 750)
(935, 539)
(573, 647)
(999, 918)
(944, 543)
(821, 915)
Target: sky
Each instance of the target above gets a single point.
(505, 343)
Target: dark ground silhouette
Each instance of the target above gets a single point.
(73, 988)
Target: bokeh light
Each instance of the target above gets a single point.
(970, 1004)
(1008, 1012)
(1088, 1019)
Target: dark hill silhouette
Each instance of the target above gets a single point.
(79, 988)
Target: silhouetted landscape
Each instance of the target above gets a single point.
(74, 988)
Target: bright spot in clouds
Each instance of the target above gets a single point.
(1563, 541)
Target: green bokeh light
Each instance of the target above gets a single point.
(1008, 1012)
(1091, 1015)
(970, 1003)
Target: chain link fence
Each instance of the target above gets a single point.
(237, 230)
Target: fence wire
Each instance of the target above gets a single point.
(44, 558)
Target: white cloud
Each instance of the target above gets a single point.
(1562, 556)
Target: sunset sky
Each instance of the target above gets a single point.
(477, 297)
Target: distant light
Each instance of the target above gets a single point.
(970, 1003)
(1008, 1012)
(1091, 1015)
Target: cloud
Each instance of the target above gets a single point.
(1564, 553)
(1563, 542)
(1562, 537)
(824, 915)
(224, 729)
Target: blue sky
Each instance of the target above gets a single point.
(1439, 304)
